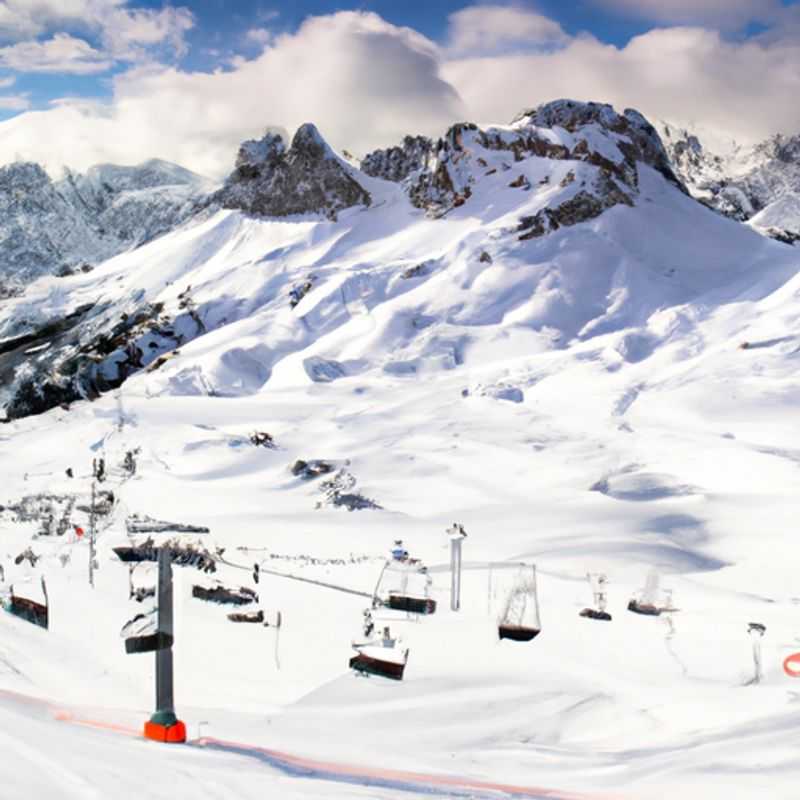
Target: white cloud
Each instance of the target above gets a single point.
(723, 13)
(24, 19)
(679, 74)
(125, 33)
(485, 29)
(14, 102)
(259, 36)
(63, 53)
(364, 82)
(7, 82)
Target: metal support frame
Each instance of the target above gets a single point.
(165, 692)
(455, 572)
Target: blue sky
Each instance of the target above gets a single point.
(219, 32)
(108, 74)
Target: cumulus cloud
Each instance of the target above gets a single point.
(259, 36)
(129, 33)
(24, 19)
(363, 81)
(723, 13)
(63, 53)
(366, 83)
(681, 74)
(124, 33)
(14, 102)
(491, 29)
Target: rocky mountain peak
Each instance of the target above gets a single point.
(308, 143)
(308, 178)
(573, 116)
(257, 154)
(442, 175)
(759, 185)
(51, 226)
(23, 174)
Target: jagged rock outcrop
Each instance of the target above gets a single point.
(397, 163)
(636, 138)
(581, 207)
(89, 351)
(58, 227)
(759, 185)
(308, 178)
(441, 177)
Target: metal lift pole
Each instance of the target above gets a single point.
(92, 527)
(164, 725)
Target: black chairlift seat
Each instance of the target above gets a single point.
(648, 609)
(377, 666)
(414, 605)
(517, 633)
(247, 616)
(29, 610)
(593, 613)
(148, 643)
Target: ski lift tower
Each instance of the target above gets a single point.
(164, 725)
(457, 535)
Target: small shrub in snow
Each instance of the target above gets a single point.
(339, 492)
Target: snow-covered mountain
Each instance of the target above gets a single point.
(57, 227)
(422, 252)
(530, 329)
(759, 185)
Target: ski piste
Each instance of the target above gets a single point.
(299, 767)
(576, 397)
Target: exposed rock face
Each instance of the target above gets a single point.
(49, 227)
(580, 208)
(760, 184)
(308, 178)
(88, 352)
(397, 163)
(643, 142)
(441, 177)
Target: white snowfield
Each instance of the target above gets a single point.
(579, 401)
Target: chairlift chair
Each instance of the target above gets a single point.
(380, 656)
(519, 621)
(404, 586)
(30, 610)
(598, 583)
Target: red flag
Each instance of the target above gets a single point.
(78, 531)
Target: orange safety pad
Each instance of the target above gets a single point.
(161, 733)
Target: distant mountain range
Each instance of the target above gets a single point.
(758, 185)
(60, 226)
(57, 227)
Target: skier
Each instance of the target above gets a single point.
(369, 624)
(399, 553)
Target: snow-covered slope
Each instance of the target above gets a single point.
(760, 185)
(531, 330)
(57, 227)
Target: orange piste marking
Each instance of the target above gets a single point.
(422, 778)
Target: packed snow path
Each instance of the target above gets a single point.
(16, 709)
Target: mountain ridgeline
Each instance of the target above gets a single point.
(759, 185)
(527, 226)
